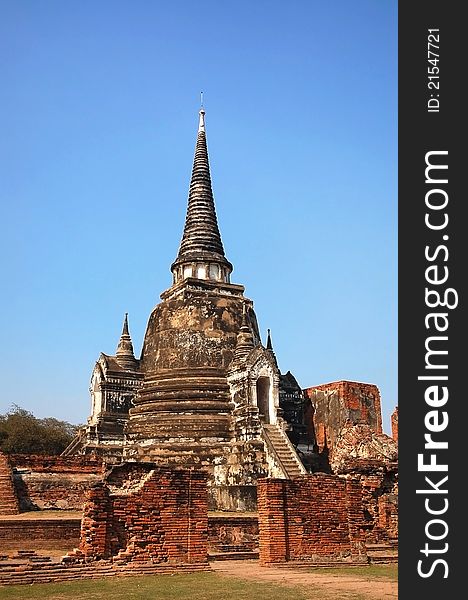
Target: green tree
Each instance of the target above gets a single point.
(22, 433)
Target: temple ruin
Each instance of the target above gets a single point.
(206, 407)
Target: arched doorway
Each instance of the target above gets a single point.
(263, 398)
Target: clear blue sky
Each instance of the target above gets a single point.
(99, 103)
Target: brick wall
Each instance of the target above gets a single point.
(165, 521)
(394, 419)
(380, 502)
(43, 534)
(44, 482)
(8, 499)
(314, 517)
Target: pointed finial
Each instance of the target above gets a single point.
(201, 100)
(269, 344)
(125, 325)
(124, 353)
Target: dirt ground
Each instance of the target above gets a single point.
(373, 589)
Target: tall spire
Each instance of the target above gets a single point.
(124, 353)
(201, 252)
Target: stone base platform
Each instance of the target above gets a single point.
(33, 569)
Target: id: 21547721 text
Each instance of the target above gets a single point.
(433, 77)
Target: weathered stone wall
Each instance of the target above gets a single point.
(46, 482)
(358, 446)
(313, 517)
(165, 520)
(388, 515)
(339, 403)
(226, 533)
(229, 533)
(57, 464)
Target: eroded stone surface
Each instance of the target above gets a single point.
(360, 444)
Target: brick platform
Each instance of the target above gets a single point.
(33, 570)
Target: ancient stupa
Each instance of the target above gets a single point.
(205, 392)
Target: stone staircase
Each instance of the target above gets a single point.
(382, 552)
(75, 445)
(8, 499)
(233, 553)
(283, 452)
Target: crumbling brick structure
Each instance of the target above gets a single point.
(146, 513)
(394, 419)
(314, 517)
(8, 499)
(339, 403)
(379, 484)
(371, 458)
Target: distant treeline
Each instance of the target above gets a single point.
(22, 433)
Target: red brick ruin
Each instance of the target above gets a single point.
(146, 513)
(314, 517)
(8, 499)
(339, 403)
(53, 482)
(395, 424)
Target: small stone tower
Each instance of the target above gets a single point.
(114, 383)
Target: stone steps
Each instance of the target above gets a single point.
(233, 556)
(380, 560)
(382, 552)
(283, 451)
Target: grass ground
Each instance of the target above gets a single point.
(199, 586)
